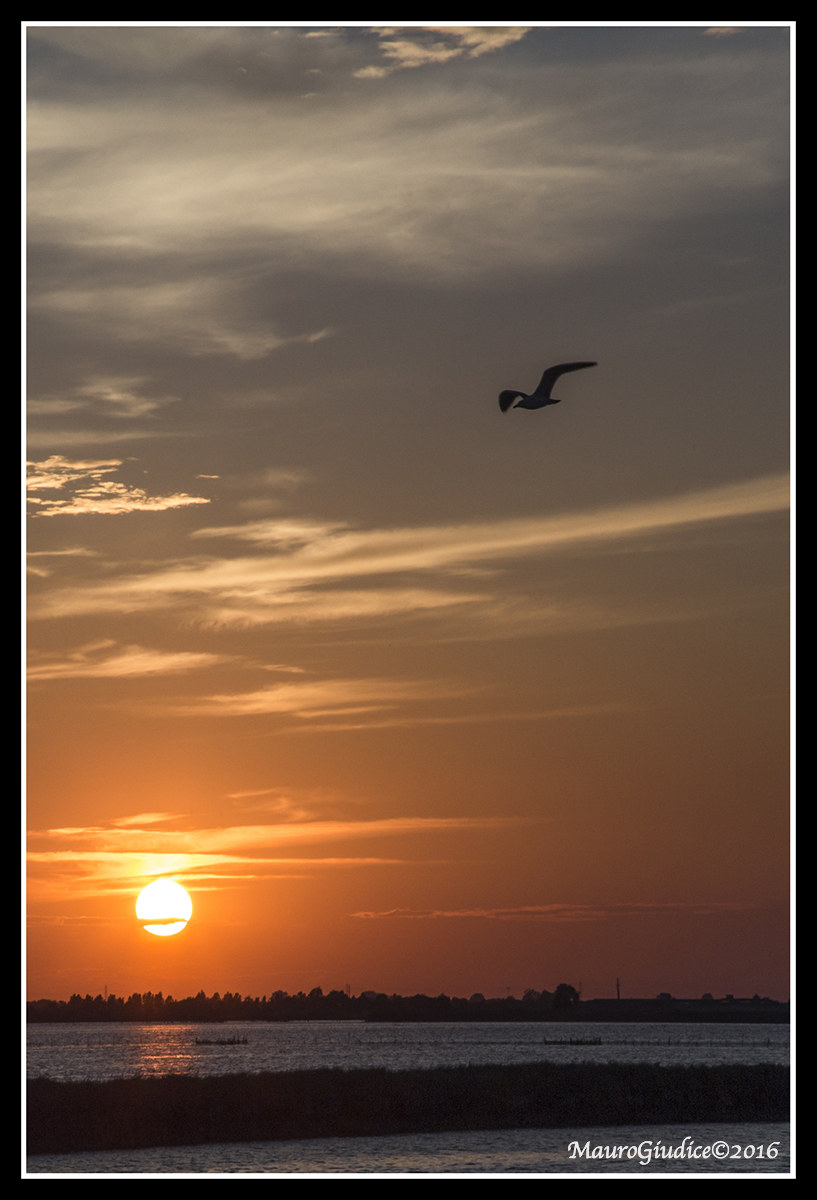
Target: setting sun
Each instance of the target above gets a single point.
(164, 907)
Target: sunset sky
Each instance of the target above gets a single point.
(410, 694)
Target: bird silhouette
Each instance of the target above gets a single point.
(541, 396)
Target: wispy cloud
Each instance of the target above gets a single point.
(48, 435)
(433, 45)
(408, 720)
(117, 857)
(550, 913)
(145, 818)
(193, 316)
(284, 807)
(37, 563)
(330, 549)
(452, 181)
(117, 396)
(320, 698)
(90, 490)
(302, 570)
(107, 660)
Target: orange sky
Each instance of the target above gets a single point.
(409, 693)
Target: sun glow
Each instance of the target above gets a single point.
(164, 907)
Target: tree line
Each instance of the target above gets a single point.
(305, 1006)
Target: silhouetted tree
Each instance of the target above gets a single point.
(565, 997)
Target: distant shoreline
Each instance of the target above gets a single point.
(578, 1019)
(171, 1110)
(150, 1008)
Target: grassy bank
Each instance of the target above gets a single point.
(183, 1110)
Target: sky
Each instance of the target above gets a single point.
(412, 695)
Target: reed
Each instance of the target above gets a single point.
(187, 1110)
(228, 1041)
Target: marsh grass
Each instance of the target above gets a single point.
(185, 1110)
(229, 1041)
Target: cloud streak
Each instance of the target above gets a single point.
(408, 720)
(98, 860)
(551, 913)
(305, 577)
(121, 397)
(190, 316)
(107, 660)
(327, 697)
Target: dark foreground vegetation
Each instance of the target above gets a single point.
(186, 1110)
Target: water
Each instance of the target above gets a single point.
(114, 1050)
(119, 1049)
(757, 1149)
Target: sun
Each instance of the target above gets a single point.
(164, 907)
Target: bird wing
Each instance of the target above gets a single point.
(506, 399)
(552, 374)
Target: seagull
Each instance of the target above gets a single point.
(541, 396)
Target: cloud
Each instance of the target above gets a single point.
(484, 39)
(58, 472)
(121, 397)
(46, 438)
(146, 818)
(41, 570)
(251, 840)
(300, 574)
(407, 720)
(107, 660)
(120, 857)
(319, 698)
(302, 569)
(196, 317)
(280, 807)
(433, 45)
(550, 913)
(187, 193)
(91, 491)
(329, 549)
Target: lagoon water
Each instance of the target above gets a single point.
(115, 1050)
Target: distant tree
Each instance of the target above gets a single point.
(565, 996)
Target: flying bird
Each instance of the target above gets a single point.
(541, 396)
